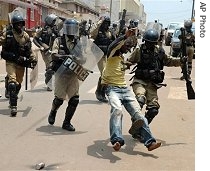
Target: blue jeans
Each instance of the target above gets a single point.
(119, 96)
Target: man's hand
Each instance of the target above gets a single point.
(126, 65)
(22, 59)
(130, 32)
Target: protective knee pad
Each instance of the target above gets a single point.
(151, 113)
(48, 75)
(12, 87)
(57, 101)
(74, 101)
(71, 108)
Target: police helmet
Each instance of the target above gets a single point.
(188, 24)
(151, 35)
(17, 18)
(71, 27)
(131, 21)
(114, 25)
(107, 20)
(51, 19)
(136, 22)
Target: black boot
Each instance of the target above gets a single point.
(100, 93)
(12, 88)
(48, 78)
(55, 106)
(70, 110)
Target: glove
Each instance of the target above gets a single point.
(22, 59)
(183, 60)
(62, 18)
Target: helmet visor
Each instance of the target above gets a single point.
(71, 29)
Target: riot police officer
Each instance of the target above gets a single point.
(44, 38)
(149, 74)
(66, 84)
(190, 44)
(16, 50)
(102, 38)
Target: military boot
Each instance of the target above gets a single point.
(12, 87)
(70, 110)
(55, 106)
(13, 111)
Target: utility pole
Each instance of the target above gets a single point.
(193, 11)
(110, 10)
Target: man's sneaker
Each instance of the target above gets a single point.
(135, 126)
(68, 127)
(13, 111)
(153, 146)
(117, 146)
(51, 117)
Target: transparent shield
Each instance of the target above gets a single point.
(75, 69)
(155, 26)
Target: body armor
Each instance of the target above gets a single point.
(189, 41)
(63, 50)
(12, 50)
(48, 36)
(103, 40)
(150, 66)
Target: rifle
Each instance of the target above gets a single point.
(122, 22)
(190, 90)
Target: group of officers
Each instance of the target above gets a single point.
(58, 38)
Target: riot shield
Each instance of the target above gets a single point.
(154, 25)
(34, 72)
(75, 68)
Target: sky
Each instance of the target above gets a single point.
(166, 11)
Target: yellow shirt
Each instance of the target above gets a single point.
(113, 73)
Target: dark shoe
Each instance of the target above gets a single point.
(51, 117)
(49, 89)
(153, 146)
(68, 127)
(13, 111)
(135, 126)
(117, 146)
(182, 77)
(100, 97)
